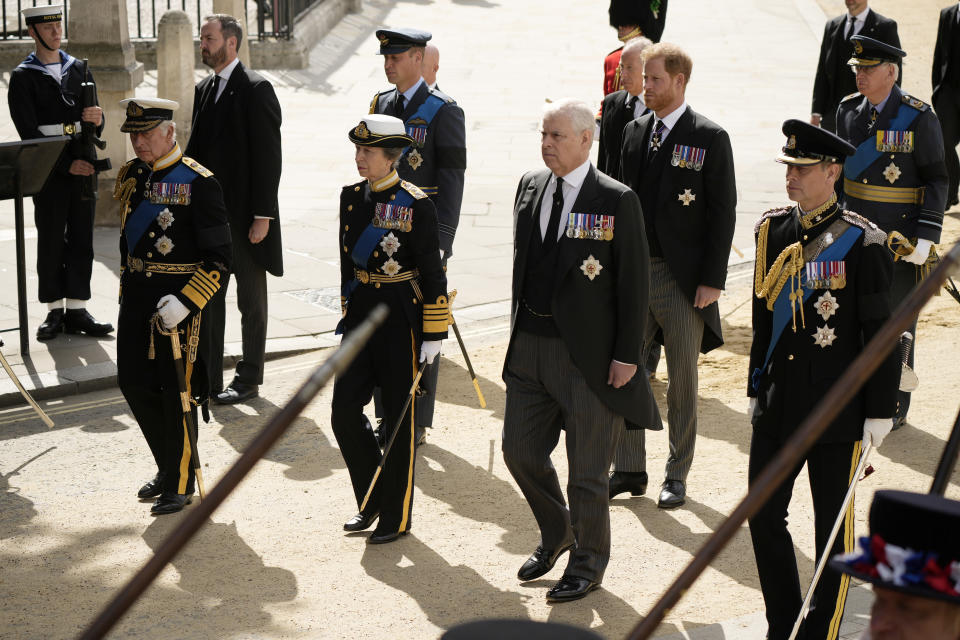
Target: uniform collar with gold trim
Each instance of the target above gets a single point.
(810, 219)
(170, 159)
(390, 180)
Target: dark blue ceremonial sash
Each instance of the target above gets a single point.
(146, 211)
(425, 112)
(867, 152)
(364, 247)
(781, 307)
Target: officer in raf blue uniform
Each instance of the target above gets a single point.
(897, 178)
(822, 277)
(389, 253)
(174, 253)
(436, 159)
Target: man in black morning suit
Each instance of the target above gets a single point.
(621, 107)
(946, 91)
(834, 80)
(681, 165)
(435, 162)
(578, 311)
(236, 134)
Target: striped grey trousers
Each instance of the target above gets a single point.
(682, 328)
(545, 391)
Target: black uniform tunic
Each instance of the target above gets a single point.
(838, 319)
(64, 222)
(404, 272)
(184, 251)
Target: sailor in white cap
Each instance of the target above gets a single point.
(174, 255)
(44, 98)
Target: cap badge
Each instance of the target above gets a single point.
(857, 47)
(361, 131)
(384, 41)
(134, 110)
(791, 142)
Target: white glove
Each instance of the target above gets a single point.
(751, 406)
(429, 350)
(171, 311)
(876, 429)
(920, 252)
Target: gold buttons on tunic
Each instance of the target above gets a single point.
(346, 227)
(414, 301)
(376, 255)
(149, 274)
(149, 254)
(804, 237)
(345, 248)
(349, 207)
(864, 181)
(376, 285)
(393, 197)
(152, 234)
(356, 188)
(790, 357)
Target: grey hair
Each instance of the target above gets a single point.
(581, 116)
(166, 125)
(635, 46)
(229, 25)
(394, 154)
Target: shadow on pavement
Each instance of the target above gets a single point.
(304, 448)
(601, 611)
(456, 388)
(17, 511)
(447, 594)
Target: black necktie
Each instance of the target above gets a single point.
(400, 101)
(850, 22)
(553, 226)
(656, 139)
(631, 107)
(212, 99)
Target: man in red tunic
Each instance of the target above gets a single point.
(631, 19)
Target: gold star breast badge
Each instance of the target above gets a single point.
(824, 336)
(687, 197)
(591, 267)
(414, 159)
(891, 173)
(826, 305)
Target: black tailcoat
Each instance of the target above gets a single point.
(601, 319)
(616, 115)
(695, 238)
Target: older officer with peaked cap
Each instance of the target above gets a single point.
(897, 178)
(912, 559)
(821, 282)
(389, 253)
(174, 255)
(44, 99)
(436, 158)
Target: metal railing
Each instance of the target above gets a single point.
(266, 18)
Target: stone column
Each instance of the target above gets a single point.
(236, 9)
(99, 33)
(175, 56)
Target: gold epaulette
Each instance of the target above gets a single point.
(435, 315)
(376, 99)
(772, 213)
(118, 186)
(201, 287)
(872, 234)
(413, 190)
(196, 166)
(919, 105)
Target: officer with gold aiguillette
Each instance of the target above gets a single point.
(389, 253)
(897, 178)
(174, 253)
(821, 282)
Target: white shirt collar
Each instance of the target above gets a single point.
(575, 178)
(860, 17)
(432, 87)
(409, 93)
(670, 120)
(227, 70)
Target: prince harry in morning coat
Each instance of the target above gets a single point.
(579, 307)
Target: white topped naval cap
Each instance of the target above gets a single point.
(47, 13)
(143, 114)
(380, 130)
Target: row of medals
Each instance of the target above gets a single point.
(596, 233)
(401, 225)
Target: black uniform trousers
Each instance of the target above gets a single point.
(252, 301)
(64, 240)
(150, 388)
(947, 106)
(905, 278)
(830, 468)
(387, 361)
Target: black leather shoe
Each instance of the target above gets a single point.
(898, 422)
(378, 432)
(80, 321)
(540, 562)
(633, 481)
(50, 327)
(673, 494)
(237, 392)
(570, 588)
(360, 521)
(169, 502)
(152, 488)
(384, 538)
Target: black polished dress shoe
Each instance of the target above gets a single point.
(898, 422)
(378, 432)
(384, 538)
(80, 321)
(540, 562)
(170, 502)
(237, 392)
(570, 588)
(152, 488)
(50, 327)
(673, 494)
(360, 521)
(633, 481)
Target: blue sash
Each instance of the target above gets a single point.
(146, 211)
(781, 307)
(364, 247)
(425, 112)
(867, 152)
